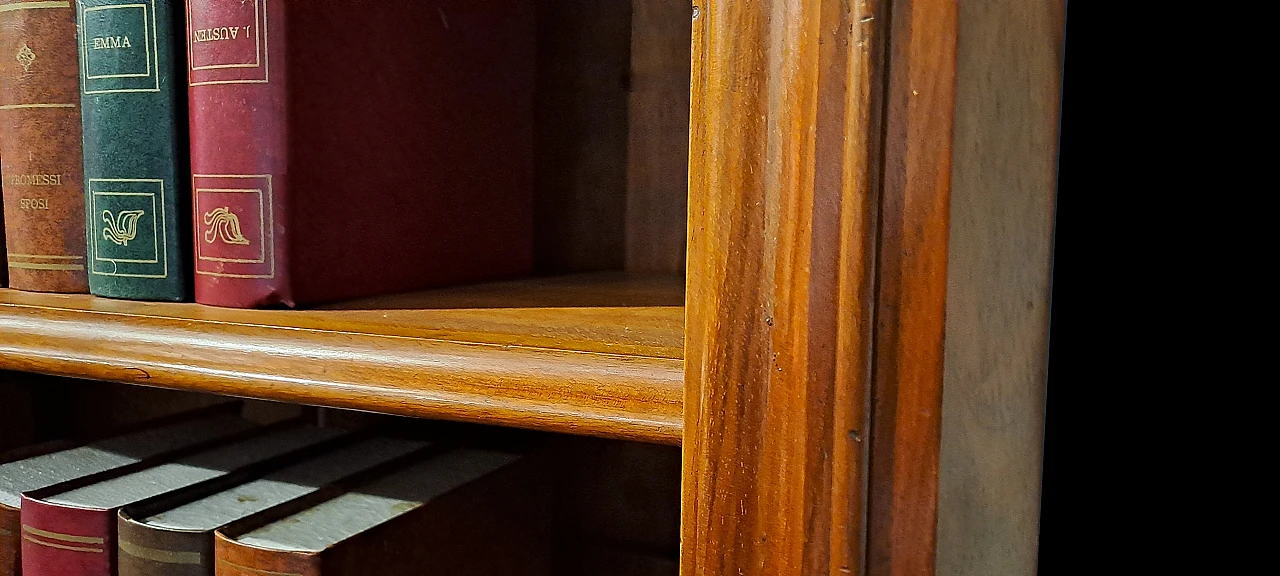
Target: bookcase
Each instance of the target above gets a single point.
(807, 242)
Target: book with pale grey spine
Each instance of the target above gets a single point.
(465, 512)
(69, 529)
(174, 537)
(116, 453)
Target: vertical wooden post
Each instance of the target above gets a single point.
(911, 293)
(784, 161)
(819, 179)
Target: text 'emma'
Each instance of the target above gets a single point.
(110, 42)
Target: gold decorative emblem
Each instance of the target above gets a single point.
(122, 227)
(26, 57)
(225, 225)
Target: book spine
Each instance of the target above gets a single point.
(134, 111)
(149, 551)
(232, 558)
(4, 259)
(4, 270)
(10, 541)
(10, 517)
(66, 541)
(40, 156)
(237, 77)
(498, 524)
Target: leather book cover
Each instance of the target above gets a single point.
(10, 511)
(67, 530)
(156, 549)
(4, 270)
(144, 551)
(346, 149)
(496, 525)
(10, 524)
(137, 180)
(65, 541)
(40, 146)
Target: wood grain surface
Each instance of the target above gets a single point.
(1002, 204)
(518, 354)
(783, 164)
(911, 286)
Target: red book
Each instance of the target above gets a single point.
(4, 252)
(75, 538)
(346, 149)
(69, 529)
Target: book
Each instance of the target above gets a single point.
(4, 270)
(136, 175)
(364, 151)
(175, 538)
(69, 529)
(465, 512)
(54, 463)
(40, 161)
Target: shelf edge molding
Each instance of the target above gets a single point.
(585, 393)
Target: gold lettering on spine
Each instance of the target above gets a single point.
(111, 42)
(255, 32)
(35, 180)
(223, 33)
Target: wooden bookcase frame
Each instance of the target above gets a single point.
(851, 163)
(856, 374)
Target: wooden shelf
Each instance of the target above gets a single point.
(597, 354)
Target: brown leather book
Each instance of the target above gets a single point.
(40, 145)
(463, 513)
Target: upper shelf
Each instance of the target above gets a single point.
(597, 354)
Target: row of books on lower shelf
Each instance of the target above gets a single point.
(212, 493)
(259, 153)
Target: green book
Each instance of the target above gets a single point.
(136, 148)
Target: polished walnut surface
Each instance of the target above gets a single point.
(596, 354)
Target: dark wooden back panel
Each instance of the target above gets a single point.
(1008, 87)
(658, 128)
(580, 101)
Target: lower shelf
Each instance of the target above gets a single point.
(597, 354)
